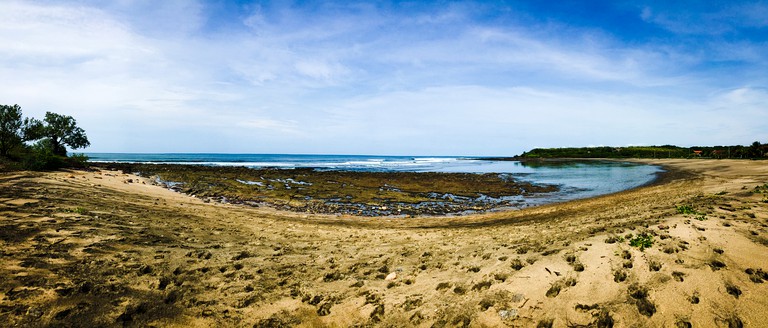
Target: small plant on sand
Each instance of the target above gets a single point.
(686, 209)
(642, 241)
(761, 189)
(701, 217)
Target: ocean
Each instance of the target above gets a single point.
(576, 179)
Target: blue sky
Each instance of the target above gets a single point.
(399, 78)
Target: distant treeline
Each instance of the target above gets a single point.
(754, 151)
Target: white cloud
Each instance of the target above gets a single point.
(319, 70)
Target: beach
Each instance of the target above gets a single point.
(108, 248)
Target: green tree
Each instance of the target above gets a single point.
(13, 130)
(11, 134)
(755, 150)
(60, 131)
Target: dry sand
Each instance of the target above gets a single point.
(109, 249)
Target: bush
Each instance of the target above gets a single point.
(686, 209)
(42, 157)
(79, 161)
(642, 241)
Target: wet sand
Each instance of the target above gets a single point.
(110, 249)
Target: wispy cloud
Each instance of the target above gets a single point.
(270, 124)
(707, 18)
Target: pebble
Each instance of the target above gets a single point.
(391, 276)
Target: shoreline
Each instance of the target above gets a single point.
(109, 249)
(391, 194)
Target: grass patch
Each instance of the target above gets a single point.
(761, 189)
(686, 209)
(689, 210)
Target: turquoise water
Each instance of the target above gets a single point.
(576, 179)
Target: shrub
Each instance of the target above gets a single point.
(79, 161)
(642, 241)
(41, 157)
(686, 209)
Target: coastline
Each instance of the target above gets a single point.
(75, 240)
(387, 193)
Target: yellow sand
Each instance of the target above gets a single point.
(240, 266)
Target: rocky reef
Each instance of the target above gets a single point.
(343, 192)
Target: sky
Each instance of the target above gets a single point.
(468, 78)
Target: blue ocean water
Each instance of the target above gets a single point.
(576, 179)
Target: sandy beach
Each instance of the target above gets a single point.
(106, 248)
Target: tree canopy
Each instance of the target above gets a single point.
(10, 128)
(53, 134)
(60, 131)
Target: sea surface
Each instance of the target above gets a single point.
(576, 179)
